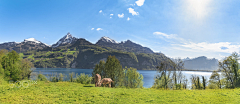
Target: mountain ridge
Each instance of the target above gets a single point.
(201, 63)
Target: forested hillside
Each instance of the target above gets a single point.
(83, 54)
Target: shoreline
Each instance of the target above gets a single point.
(155, 70)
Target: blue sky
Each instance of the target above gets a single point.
(177, 28)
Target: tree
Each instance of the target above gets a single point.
(3, 53)
(10, 64)
(170, 74)
(25, 67)
(111, 69)
(163, 80)
(204, 82)
(132, 78)
(83, 79)
(215, 81)
(229, 67)
(14, 68)
(196, 83)
(177, 74)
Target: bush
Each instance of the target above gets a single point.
(61, 77)
(2, 81)
(83, 79)
(41, 77)
(132, 78)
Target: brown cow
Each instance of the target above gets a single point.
(97, 80)
(105, 81)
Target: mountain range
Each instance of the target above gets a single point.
(201, 63)
(72, 52)
(31, 44)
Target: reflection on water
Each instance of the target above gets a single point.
(148, 75)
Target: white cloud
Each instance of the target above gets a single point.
(110, 17)
(179, 43)
(121, 15)
(171, 36)
(111, 14)
(131, 10)
(212, 47)
(128, 18)
(98, 29)
(140, 2)
(100, 11)
(92, 28)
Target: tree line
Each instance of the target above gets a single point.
(13, 67)
(227, 77)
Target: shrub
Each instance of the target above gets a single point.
(41, 77)
(83, 79)
(132, 78)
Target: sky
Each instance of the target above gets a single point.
(177, 28)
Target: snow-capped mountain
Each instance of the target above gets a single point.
(127, 46)
(107, 39)
(9, 43)
(32, 40)
(27, 44)
(67, 39)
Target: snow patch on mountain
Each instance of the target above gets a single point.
(107, 39)
(67, 39)
(32, 40)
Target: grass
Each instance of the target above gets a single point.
(31, 56)
(67, 92)
(71, 52)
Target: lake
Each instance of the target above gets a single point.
(148, 75)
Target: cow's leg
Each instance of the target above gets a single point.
(96, 84)
(109, 85)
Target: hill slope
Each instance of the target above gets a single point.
(83, 54)
(127, 46)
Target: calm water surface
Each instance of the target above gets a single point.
(148, 75)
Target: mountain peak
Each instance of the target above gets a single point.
(68, 36)
(31, 40)
(67, 39)
(107, 39)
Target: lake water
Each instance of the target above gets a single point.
(148, 75)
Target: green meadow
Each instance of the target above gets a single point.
(69, 92)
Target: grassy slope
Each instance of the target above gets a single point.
(66, 92)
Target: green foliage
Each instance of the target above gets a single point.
(25, 67)
(41, 77)
(21, 55)
(204, 82)
(215, 81)
(2, 54)
(128, 77)
(31, 56)
(61, 77)
(71, 75)
(84, 79)
(169, 79)
(132, 78)
(114, 70)
(11, 66)
(229, 68)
